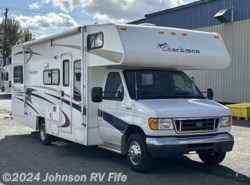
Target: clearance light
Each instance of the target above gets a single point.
(161, 32)
(184, 34)
(123, 28)
(216, 36)
(172, 33)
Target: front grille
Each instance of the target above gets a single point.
(196, 125)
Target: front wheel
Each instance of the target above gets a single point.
(45, 138)
(137, 154)
(212, 158)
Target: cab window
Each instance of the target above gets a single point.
(114, 89)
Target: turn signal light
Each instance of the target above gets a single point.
(231, 121)
(153, 123)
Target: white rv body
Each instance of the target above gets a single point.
(6, 82)
(59, 73)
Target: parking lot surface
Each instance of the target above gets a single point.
(21, 154)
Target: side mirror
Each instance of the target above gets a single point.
(96, 94)
(210, 93)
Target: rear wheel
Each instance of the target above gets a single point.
(137, 154)
(212, 158)
(45, 138)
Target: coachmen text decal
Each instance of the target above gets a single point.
(165, 47)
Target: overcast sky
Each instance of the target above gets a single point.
(46, 17)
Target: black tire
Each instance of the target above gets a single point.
(212, 158)
(137, 154)
(45, 138)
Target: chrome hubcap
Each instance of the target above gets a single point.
(134, 152)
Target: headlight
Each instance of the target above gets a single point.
(225, 121)
(160, 124)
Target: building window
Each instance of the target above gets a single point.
(51, 77)
(95, 41)
(66, 73)
(18, 74)
(114, 88)
(5, 76)
(77, 81)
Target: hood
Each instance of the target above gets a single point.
(185, 108)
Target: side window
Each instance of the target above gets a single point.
(55, 77)
(95, 41)
(114, 88)
(66, 73)
(51, 77)
(77, 80)
(18, 74)
(47, 77)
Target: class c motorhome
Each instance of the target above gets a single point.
(122, 88)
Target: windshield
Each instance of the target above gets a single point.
(160, 84)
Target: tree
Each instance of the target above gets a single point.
(15, 33)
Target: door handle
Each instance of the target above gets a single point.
(62, 93)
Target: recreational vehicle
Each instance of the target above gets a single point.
(122, 88)
(6, 83)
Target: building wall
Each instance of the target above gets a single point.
(231, 84)
(198, 14)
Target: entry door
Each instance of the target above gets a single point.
(66, 94)
(18, 79)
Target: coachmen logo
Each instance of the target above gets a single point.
(165, 47)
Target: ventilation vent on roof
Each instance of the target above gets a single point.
(225, 15)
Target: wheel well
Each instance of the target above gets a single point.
(38, 121)
(131, 129)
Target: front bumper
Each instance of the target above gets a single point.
(170, 146)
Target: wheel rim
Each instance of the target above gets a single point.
(42, 132)
(134, 152)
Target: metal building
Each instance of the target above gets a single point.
(230, 18)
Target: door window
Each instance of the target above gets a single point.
(18, 74)
(77, 81)
(114, 88)
(66, 73)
